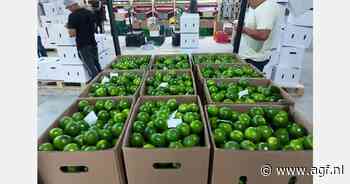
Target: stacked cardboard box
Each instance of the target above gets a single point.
(294, 37)
(189, 29)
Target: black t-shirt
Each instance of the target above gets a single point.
(83, 21)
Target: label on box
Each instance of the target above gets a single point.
(91, 118)
(113, 74)
(243, 93)
(163, 85)
(105, 80)
(172, 121)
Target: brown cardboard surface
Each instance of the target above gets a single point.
(85, 93)
(153, 67)
(229, 165)
(103, 166)
(287, 99)
(151, 73)
(109, 66)
(139, 162)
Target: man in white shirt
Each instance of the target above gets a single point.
(261, 19)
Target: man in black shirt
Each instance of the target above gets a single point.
(81, 24)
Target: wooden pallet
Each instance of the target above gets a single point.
(297, 91)
(52, 84)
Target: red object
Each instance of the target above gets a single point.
(221, 37)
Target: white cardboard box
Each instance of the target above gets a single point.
(50, 9)
(189, 40)
(189, 23)
(296, 36)
(69, 55)
(62, 35)
(305, 19)
(291, 56)
(75, 73)
(298, 7)
(50, 68)
(286, 76)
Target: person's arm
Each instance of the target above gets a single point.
(261, 35)
(72, 26)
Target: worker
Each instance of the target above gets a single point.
(261, 20)
(81, 24)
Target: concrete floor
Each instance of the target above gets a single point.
(51, 103)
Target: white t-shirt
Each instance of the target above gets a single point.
(265, 16)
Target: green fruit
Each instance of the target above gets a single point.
(197, 127)
(124, 104)
(265, 131)
(143, 116)
(297, 144)
(101, 92)
(90, 148)
(226, 127)
(158, 140)
(172, 104)
(64, 121)
(87, 109)
(235, 116)
(219, 136)
(79, 140)
(183, 129)
(176, 145)
(171, 135)
(138, 126)
(236, 136)
(232, 145)
(161, 124)
(244, 118)
(183, 108)
(82, 104)
(77, 116)
(296, 131)
(283, 135)
(90, 137)
(281, 119)
(119, 118)
(61, 141)
(72, 129)
(213, 111)
(46, 147)
(109, 105)
(55, 132)
(103, 115)
(190, 141)
(252, 134)
(225, 113)
(72, 147)
(213, 122)
(99, 105)
(189, 117)
(274, 143)
(137, 140)
(263, 146)
(148, 146)
(193, 107)
(105, 134)
(149, 131)
(258, 120)
(102, 145)
(308, 142)
(270, 112)
(240, 126)
(248, 145)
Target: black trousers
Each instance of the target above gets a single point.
(259, 65)
(89, 55)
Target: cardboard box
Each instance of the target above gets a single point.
(69, 55)
(50, 68)
(156, 57)
(151, 73)
(120, 56)
(189, 40)
(286, 76)
(296, 36)
(299, 7)
(305, 19)
(86, 91)
(75, 74)
(291, 56)
(105, 165)
(229, 165)
(286, 98)
(139, 162)
(189, 23)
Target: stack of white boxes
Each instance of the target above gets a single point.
(294, 38)
(68, 67)
(228, 8)
(189, 30)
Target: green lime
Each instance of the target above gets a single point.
(183, 129)
(46, 147)
(64, 121)
(197, 127)
(55, 132)
(297, 144)
(258, 120)
(176, 145)
(213, 111)
(171, 135)
(308, 142)
(237, 136)
(102, 144)
(263, 146)
(79, 140)
(84, 126)
(161, 124)
(231, 145)
(117, 129)
(283, 135)
(190, 141)
(137, 140)
(82, 104)
(105, 134)
(61, 141)
(248, 145)
(138, 126)
(90, 148)
(119, 118)
(71, 147)
(252, 134)
(99, 105)
(296, 130)
(143, 116)
(281, 119)
(274, 143)
(219, 136)
(265, 131)
(172, 104)
(90, 137)
(256, 111)
(226, 127)
(103, 115)
(148, 146)
(77, 116)
(72, 129)
(225, 113)
(158, 140)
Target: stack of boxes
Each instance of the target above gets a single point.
(228, 8)
(68, 67)
(189, 29)
(294, 37)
